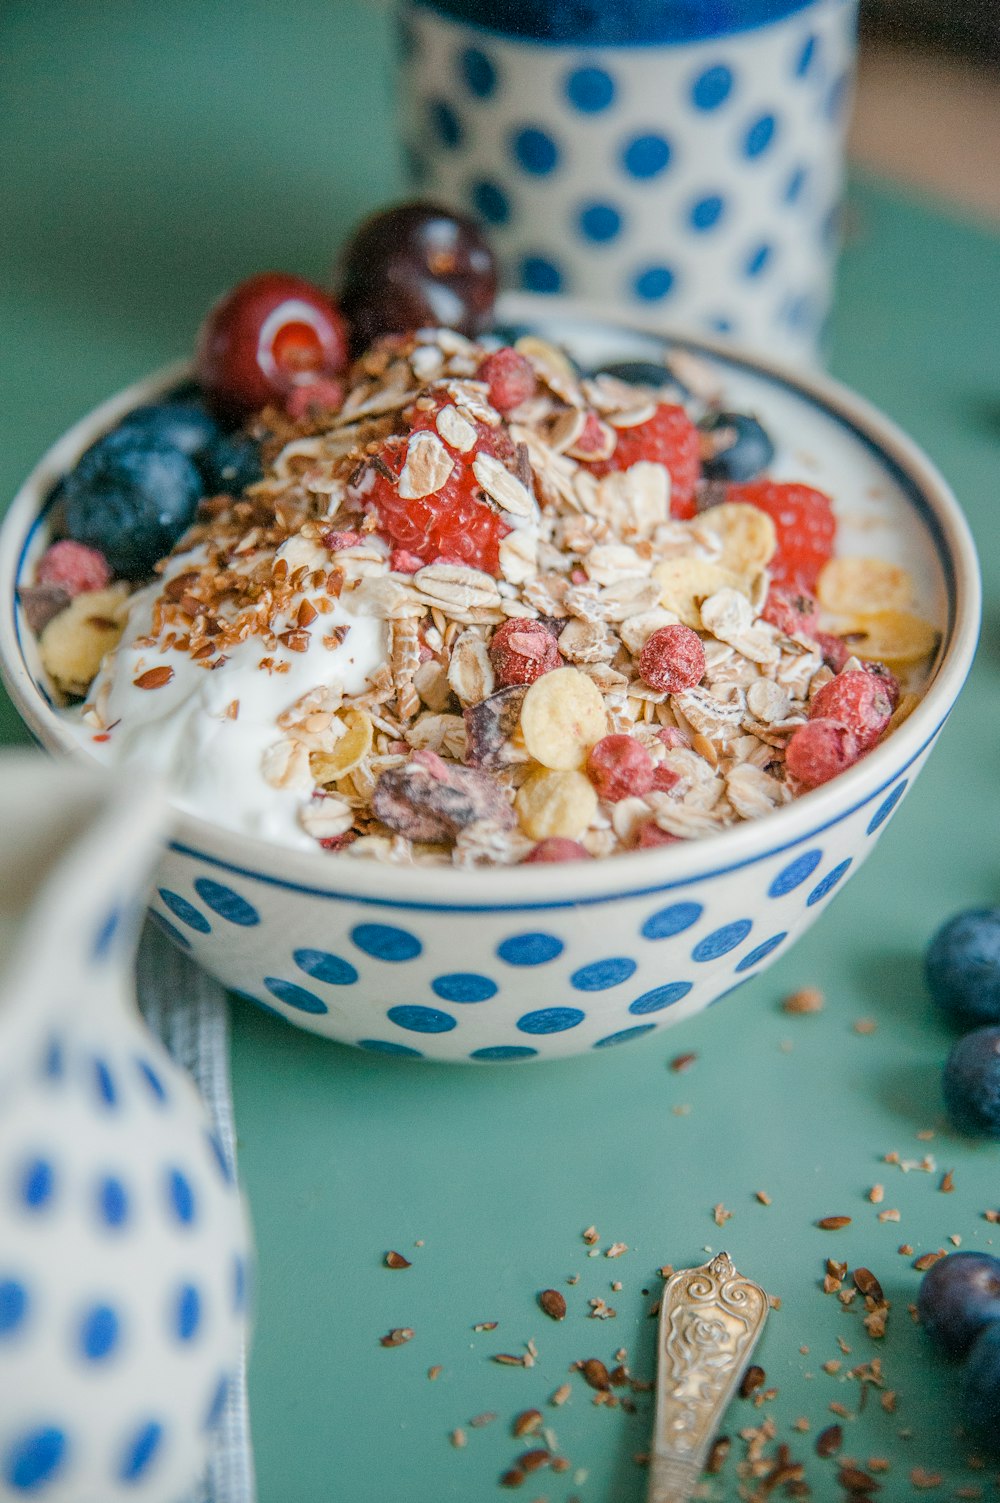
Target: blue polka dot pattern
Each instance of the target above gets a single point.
(464, 986)
(98, 1333)
(535, 151)
(550, 1020)
(104, 1083)
(721, 941)
(217, 1403)
(140, 1451)
(759, 136)
(38, 1183)
(180, 1198)
(187, 1313)
(795, 873)
(660, 997)
(491, 202)
(758, 259)
(323, 966)
(105, 936)
(112, 1202)
(646, 156)
(539, 275)
(152, 1080)
(219, 1155)
(226, 903)
(35, 1458)
(13, 1307)
(384, 942)
(54, 1064)
(498, 1052)
(795, 185)
(624, 1034)
(721, 323)
(590, 90)
(599, 222)
(601, 974)
(445, 123)
(421, 1019)
(807, 56)
(239, 1284)
(707, 212)
(185, 911)
(836, 99)
(653, 283)
(386, 1046)
(828, 883)
(712, 87)
(761, 952)
(169, 929)
(886, 807)
(530, 949)
(295, 996)
(673, 920)
(478, 72)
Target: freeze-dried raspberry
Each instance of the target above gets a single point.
(557, 848)
(511, 378)
(649, 835)
(73, 567)
(888, 680)
(664, 778)
(430, 799)
(792, 611)
(672, 659)
(620, 767)
(669, 438)
(834, 649)
(335, 540)
(804, 521)
(522, 650)
(857, 700)
(819, 750)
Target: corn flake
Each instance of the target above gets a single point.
(857, 586)
(347, 753)
(746, 533)
(686, 582)
(562, 717)
(555, 803)
(893, 637)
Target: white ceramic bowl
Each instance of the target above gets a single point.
(515, 963)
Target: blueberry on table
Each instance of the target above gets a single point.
(981, 1386)
(185, 425)
(131, 500)
(414, 266)
(963, 965)
(736, 447)
(971, 1083)
(958, 1296)
(230, 464)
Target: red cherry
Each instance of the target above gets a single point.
(266, 336)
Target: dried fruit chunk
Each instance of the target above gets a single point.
(490, 724)
(672, 660)
(855, 586)
(819, 750)
(522, 650)
(556, 848)
(666, 437)
(348, 752)
(555, 803)
(430, 799)
(75, 641)
(562, 717)
(620, 767)
(805, 524)
(894, 637)
(686, 582)
(857, 700)
(747, 534)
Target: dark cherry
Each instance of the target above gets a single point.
(264, 337)
(415, 266)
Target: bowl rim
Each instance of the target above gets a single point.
(583, 883)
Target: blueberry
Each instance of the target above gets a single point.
(231, 463)
(745, 451)
(638, 373)
(131, 497)
(981, 1386)
(971, 1083)
(958, 1296)
(963, 965)
(184, 425)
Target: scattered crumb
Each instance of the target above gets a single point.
(807, 999)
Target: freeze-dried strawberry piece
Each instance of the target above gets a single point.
(857, 700)
(432, 800)
(805, 524)
(792, 611)
(73, 567)
(620, 767)
(819, 750)
(672, 659)
(669, 438)
(649, 835)
(557, 848)
(510, 376)
(521, 650)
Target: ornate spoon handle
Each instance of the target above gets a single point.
(710, 1320)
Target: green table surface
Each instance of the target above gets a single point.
(154, 154)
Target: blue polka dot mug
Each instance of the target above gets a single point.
(683, 158)
(123, 1244)
(531, 963)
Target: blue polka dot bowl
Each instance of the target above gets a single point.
(533, 963)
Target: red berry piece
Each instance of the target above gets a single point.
(268, 335)
(557, 848)
(888, 680)
(620, 767)
(819, 750)
(856, 700)
(511, 377)
(322, 395)
(522, 650)
(73, 567)
(672, 659)
(834, 649)
(449, 523)
(664, 778)
(669, 438)
(792, 611)
(402, 562)
(805, 524)
(649, 835)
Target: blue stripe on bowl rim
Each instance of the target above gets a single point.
(664, 25)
